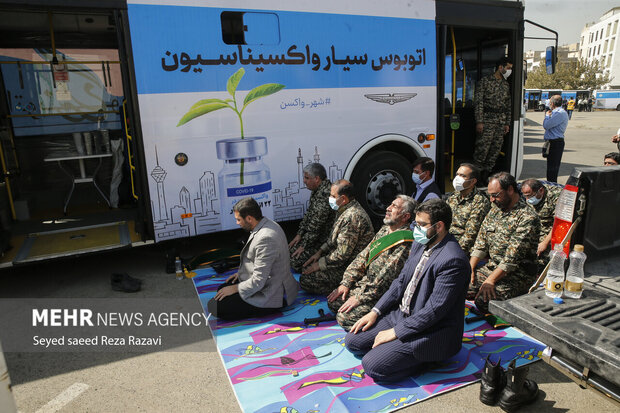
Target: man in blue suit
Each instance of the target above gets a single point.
(420, 318)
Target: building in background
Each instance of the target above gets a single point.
(566, 53)
(599, 42)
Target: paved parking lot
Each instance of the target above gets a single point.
(186, 381)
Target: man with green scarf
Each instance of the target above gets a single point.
(371, 273)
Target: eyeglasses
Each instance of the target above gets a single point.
(495, 195)
(419, 227)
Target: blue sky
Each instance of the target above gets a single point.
(567, 17)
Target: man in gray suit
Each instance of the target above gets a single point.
(264, 282)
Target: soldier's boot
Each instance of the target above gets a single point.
(492, 382)
(519, 389)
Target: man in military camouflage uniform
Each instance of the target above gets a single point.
(469, 206)
(492, 113)
(371, 273)
(543, 199)
(508, 237)
(316, 224)
(351, 233)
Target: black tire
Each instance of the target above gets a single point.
(618, 107)
(378, 178)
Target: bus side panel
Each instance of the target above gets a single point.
(347, 79)
(607, 99)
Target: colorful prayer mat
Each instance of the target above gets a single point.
(278, 364)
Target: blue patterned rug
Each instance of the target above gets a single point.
(278, 364)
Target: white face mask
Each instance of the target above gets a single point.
(332, 203)
(508, 73)
(459, 183)
(416, 178)
(533, 200)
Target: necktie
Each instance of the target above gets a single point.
(404, 305)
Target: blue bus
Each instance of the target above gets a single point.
(607, 99)
(330, 82)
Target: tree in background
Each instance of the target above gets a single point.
(579, 75)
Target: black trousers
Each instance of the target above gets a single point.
(556, 149)
(233, 307)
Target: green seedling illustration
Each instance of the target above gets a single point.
(204, 106)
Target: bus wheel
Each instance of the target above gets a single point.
(618, 107)
(378, 178)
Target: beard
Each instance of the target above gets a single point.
(502, 205)
(392, 220)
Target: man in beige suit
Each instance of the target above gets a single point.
(264, 282)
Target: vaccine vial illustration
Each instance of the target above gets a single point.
(244, 174)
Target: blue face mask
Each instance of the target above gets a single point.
(333, 204)
(416, 178)
(419, 234)
(533, 200)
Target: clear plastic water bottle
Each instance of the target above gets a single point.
(178, 268)
(554, 284)
(574, 275)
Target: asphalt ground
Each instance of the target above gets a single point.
(191, 377)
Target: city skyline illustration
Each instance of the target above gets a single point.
(200, 213)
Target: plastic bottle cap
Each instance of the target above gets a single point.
(558, 300)
(578, 248)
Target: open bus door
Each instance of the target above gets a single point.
(71, 185)
(464, 66)
(471, 38)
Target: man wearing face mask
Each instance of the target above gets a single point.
(492, 114)
(469, 206)
(420, 318)
(350, 234)
(543, 199)
(508, 237)
(426, 188)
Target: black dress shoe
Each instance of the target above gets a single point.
(492, 382)
(123, 282)
(519, 390)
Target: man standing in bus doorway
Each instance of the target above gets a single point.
(555, 123)
(492, 113)
(570, 106)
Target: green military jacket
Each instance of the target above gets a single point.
(492, 100)
(317, 223)
(509, 239)
(467, 215)
(351, 233)
(369, 283)
(546, 209)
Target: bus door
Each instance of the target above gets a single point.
(533, 102)
(68, 186)
(469, 56)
